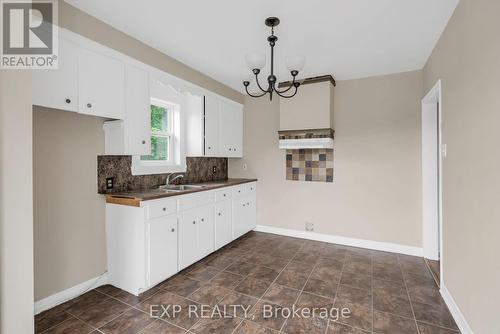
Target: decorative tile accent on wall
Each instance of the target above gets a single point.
(304, 134)
(199, 169)
(309, 165)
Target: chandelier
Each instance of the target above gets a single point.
(256, 62)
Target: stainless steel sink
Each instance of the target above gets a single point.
(180, 187)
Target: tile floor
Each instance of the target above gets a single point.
(385, 292)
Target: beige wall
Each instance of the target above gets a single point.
(69, 229)
(78, 21)
(16, 203)
(376, 193)
(467, 60)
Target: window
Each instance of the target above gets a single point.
(161, 132)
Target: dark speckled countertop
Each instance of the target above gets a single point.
(133, 198)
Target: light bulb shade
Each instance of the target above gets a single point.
(255, 60)
(295, 63)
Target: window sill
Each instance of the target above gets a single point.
(140, 168)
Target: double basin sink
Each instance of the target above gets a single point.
(181, 187)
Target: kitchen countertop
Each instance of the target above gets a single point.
(134, 198)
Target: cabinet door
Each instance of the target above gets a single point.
(231, 130)
(251, 213)
(239, 217)
(59, 88)
(138, 118)
(162, 253)
(223, 224)
(188, 239)
(206, 230)
(101, 85)
(211, 124)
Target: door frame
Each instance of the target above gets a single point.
(433, 245)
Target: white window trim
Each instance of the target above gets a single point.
(177, 157)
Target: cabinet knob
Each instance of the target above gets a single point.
(234, 149)
(210, 147)
(164, 209)
(220, 214)
(194, 222)
(89, 105)
(173, 230)
(68, 101)
(248, 203)
(224, 195)
(202, 219)
(243, 204)
(143, 142)
(229, 149)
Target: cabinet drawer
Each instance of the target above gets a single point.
(239, 190)
(244, 189)
(161, 208)
(250, 188)
(223, 194)
(190, 201)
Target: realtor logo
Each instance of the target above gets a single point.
(29, 34)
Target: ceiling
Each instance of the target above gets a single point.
(346, 38)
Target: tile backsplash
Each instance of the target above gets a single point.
(199, 169)
(309, 165)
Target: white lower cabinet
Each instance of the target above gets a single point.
(223, 223)
(150, 243)
(162, 248)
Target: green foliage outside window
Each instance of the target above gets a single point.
(160, 134)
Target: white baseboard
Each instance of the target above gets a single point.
(375, 245)
(75, 291)
(455, 311)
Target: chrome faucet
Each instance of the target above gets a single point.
(167, 183)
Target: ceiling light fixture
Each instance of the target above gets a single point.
(256, 62)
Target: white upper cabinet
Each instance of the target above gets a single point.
(231, 130)
(137, 117)
(101, 85)
(212, 113)
(59, 88)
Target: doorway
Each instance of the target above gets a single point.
(432, 154)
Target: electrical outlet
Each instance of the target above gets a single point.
(109, 182)
(214, 169)
(309, 226)
(245, 167)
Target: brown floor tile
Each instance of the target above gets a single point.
(241, 268)
(276, 263)
(298, 325)
(71, 325)
(325, 273)
(216, 325)
(338, 328)
(209, 294)
(322, 288)
(78, 305)
(356, 280)
(300, 267)
(392, 303)
(273, 320)
(281, 295)
(162, 327)
(385, 258)
(357, 267)
(333, 251)
(414, 280)
(387, 273)
(220, 262)
(252, 287)
(202, 273)
(250, 327)
(129, 322)
(436, 314)
(227, 279)
(307, 300)
(307, 257)
(133, 300)
(333, 264)
(181, 285)
(292, 279)
(237, 304)
(105, 311)
(109, 290)
(50, 318)
(393, 288)
(264, 273)
(426, 295)
(349, 295)
(385, 323)
(358, 317)
(429, 329)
